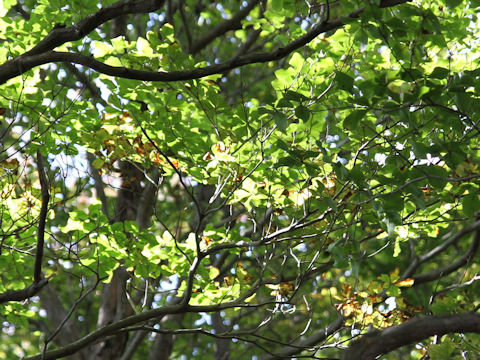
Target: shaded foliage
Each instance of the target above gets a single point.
(254, 180)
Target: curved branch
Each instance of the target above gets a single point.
(113, 328)
(230, 24)
(464, 259)
(447, 241)
(23, 294)
(373, 344)
(59, 36)
(110, 329)
(35, 57)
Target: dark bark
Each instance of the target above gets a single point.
(376, 343)
(43, 54)
(23, 294)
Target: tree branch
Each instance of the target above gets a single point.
(374, 344)
(448, 240)
(38, 280)
(230, 24)
(310, 341)
(35, 57)
(464, 259)
(89, 85)
(23, 294)
(37, 274)
(59, 36)
(113, 328)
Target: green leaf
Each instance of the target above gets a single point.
(393, 202)
(440, 73)
(441, 351)
(340, 254)
(453, 3)
(344, 81)
(280, 120)
(358, 177)
(302, 113)
(470, 204)
(353, 121)
(464, 101)
(295, 96)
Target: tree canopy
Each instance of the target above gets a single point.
(262, 179)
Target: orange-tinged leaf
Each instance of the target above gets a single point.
(140, 150)
(346, 289)
(375, 299)
(207, 240)
(405, 283)
(329, 184)
(426, 190)
(157, 159)
(10, 164)
(348, 308)
(207, 157)
(220, 147)
(126, 117)
(286, 288)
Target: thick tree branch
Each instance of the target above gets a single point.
(464, 259)
(374, 344)
(37, 274)
(23, 294)
(113, 328)
(33, 58)
(106, 331)
(448, 240)
(59, 36)
(230, 24)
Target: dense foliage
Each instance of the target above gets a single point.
(239, 180)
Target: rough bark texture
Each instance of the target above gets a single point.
(376, 343)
